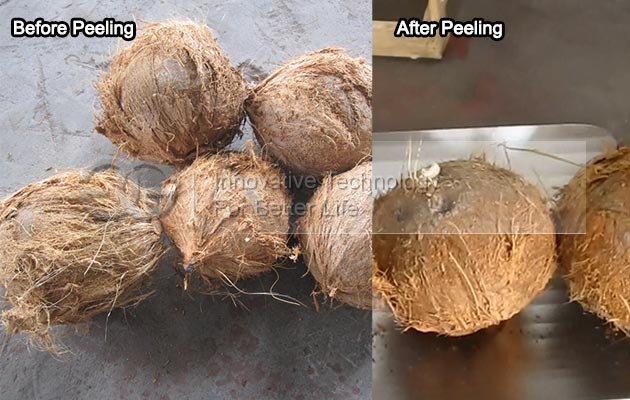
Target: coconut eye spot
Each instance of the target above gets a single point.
(400, 214)
(441, 205)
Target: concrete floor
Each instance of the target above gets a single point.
(174, 345)
(561, 61)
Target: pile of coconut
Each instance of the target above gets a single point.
(81, 243)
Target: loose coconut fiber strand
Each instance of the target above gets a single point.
(228, 216)
(172, 95)
(595, 207)
(71, 247)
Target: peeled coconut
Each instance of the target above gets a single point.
(171, 95)
(314, 114)
(593, 217)
(461, 246)
(335, 236)
(228, 214)
(73, 246)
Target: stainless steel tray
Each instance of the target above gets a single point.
(552, 349)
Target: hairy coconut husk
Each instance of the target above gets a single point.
(594, 211)
(335, 236)
(463, 251)
(228, 214)
(314, 114)
(73, 246)
(171, 95)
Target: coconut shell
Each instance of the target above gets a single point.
(228, 214)
(594, 212)
(73, 246)
(463, 252)
(314, 114)
(336, 236)
(171, 95)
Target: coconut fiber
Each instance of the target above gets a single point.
(171, 95)
(228, 214)
(73, 246)
(336, 236)
(314, 114)
(593, 217)
(462, 251)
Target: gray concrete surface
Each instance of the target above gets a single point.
(175, 345)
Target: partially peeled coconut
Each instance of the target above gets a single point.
(314, 114)
(462, 249)
(593, 217)
(335, 236)
(172, 95)
(228, 214)
(73, 246)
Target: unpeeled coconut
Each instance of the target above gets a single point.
(171, 95)
(335, 236)
(314, 114)
(73, 246)
(228, 214)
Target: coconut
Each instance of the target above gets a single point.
(461, 249)
(228, 214)
(314, 114)
(335, 236)
(171, 95)
(73, 246)
(593, 217)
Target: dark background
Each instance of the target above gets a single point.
(561, 61)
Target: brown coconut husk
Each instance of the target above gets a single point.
(594, 211)
(73, 246)
(314, 114)
(335, 236)
(171, 95)
(228, 214)
(464, 252)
